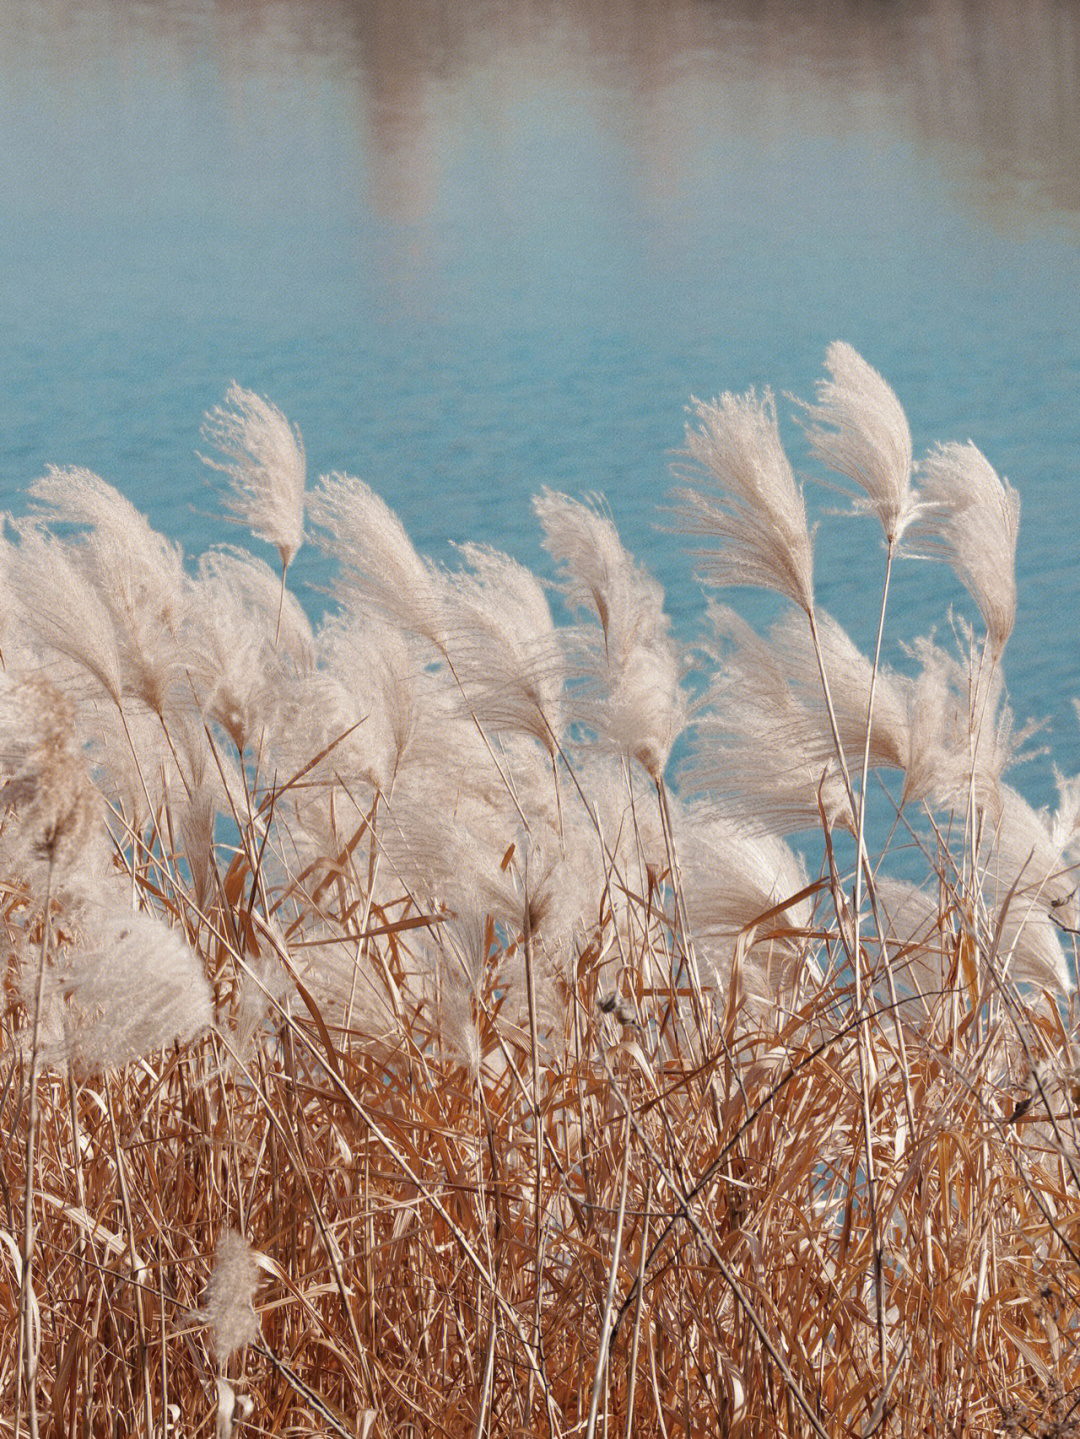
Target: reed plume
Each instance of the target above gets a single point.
(745, 498)
(634, 696)
(263, 456)
(973, 521)
(61, 612)
(859, 430)
(380, 571)
(52, 814)
(244, 640)
(503, 647)
(761, 746)
(137, 573)
(127, 986)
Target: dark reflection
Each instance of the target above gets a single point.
(990, 88)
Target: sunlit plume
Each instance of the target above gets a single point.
(859, 430)
(229, 1306)
(61, 611)
(137, 573)
(380, 571)
(632, 693)
(503, 647)
(973, 521)
(760, 745)
(51, 830)
(849, 672)
(962, 735)
(743, 500)
(263, 456)
(1023, 860)
(734, 874)
(919, 938)
(128, 985)
(238, 653)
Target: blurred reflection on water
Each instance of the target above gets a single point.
(477, 248)
(992, 90)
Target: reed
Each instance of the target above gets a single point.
(393, 1044)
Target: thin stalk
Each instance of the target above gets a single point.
(281, 600)
(862, 1038)
(485, 1391)
(860, 832)
(631, 1384)
(682, 919)
(613, 1272)
(33, 1121)
(909, 1103)
(538, 1193)
(136, 1269)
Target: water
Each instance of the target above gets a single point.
(476, 249)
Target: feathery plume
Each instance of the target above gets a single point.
(732, 875)
(1030, 951)
(63, 610)
(241, 632)
(761, 746)
(51, 812)
(746, 498)
(139, 769)
(849, 672)
(229, 1309)
(380, 569)
(973, 521)
(1027, 858)
(912, 931)
(130, 986)
(138, 574)
(961, 729)
(257, 591)
(735, 873)
(503, 646)
(112, 531)
(858, 428)
(639, 702)
(370, 692)
(264, 458)
(1066, 821)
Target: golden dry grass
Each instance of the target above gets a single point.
(670, 1213)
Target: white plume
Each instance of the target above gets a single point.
(858, 428)
(973, 523)
(745, 499)
(636, 697)
(264, 458)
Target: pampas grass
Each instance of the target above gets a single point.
(392, 1044)
(263, 456)
(745, 499)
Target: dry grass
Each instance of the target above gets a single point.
(428, 1268)
(597, 1186)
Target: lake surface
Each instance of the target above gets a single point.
(475, 249)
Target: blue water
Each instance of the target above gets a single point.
(475, 250)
